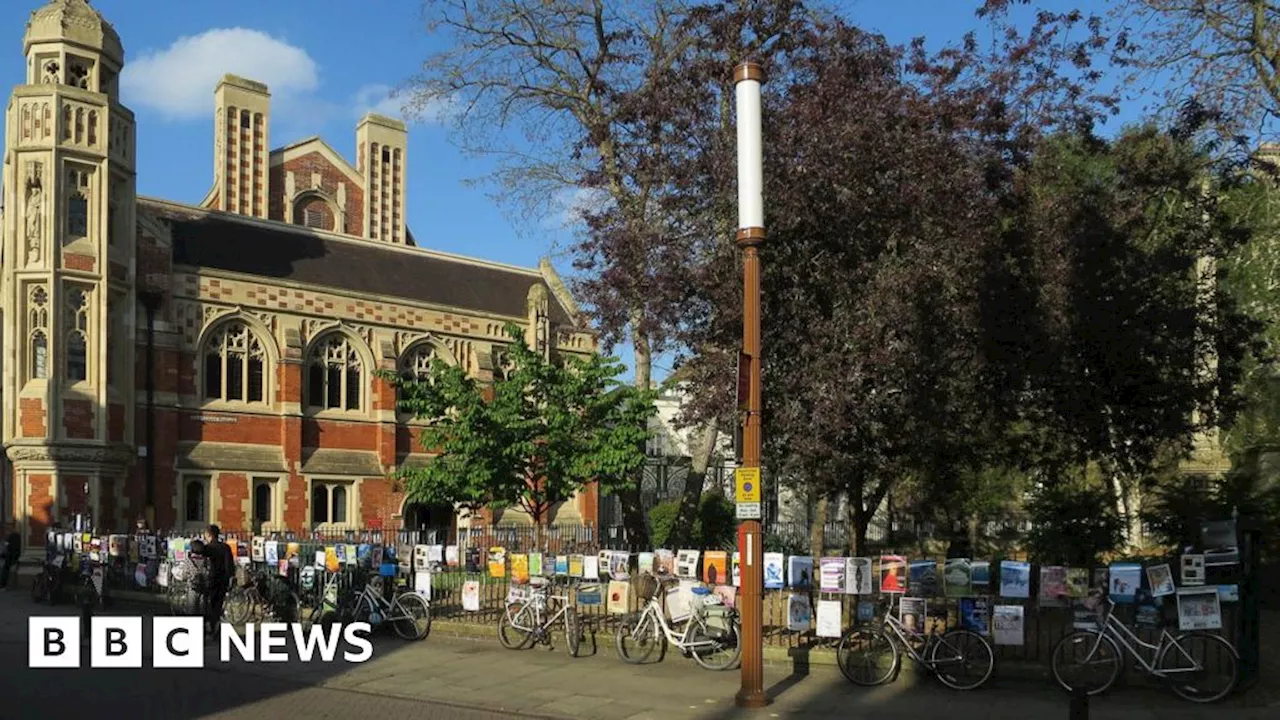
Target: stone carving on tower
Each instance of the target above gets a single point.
(68, 302)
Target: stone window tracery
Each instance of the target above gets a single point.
(80, 74)
(330, 502)
(77, 335)
(335, 374)
(38, 323)
(416, 364)
(235, 364)
(52, 73)
(78, 205)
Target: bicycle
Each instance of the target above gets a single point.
(713, 646)
(936, 653)
(262, 597)
(1172, 657)
(46, 587)
(408, 612)
(524, 619)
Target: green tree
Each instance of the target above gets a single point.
(542, 432)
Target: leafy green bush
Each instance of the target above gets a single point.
(1072, 523)
(714, 527)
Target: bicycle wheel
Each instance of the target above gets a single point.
(962, 659)
(179, 598)
(40, 587)
(1200, 667)
(572, 631)
(512, 632)
(238, 606)
(867, 657)
(726, 650)
(638, 637)
(412, 616)
(1086, 660)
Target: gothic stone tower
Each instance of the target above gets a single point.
(68, 273)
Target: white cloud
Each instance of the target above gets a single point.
(571, 205)
(179, 81)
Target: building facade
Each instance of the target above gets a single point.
(215, 362)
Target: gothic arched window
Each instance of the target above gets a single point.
(416, 364)
(235, 364)
(38, 326)
(77, 335)
(335, 374)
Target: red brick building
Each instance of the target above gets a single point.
(215, 362)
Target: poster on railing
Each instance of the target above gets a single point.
(435, 554)
(257, 549)
(800, 571)
(162, 575)
(1150, 614)
(602, 563)
(331, 559)
(116, 545)
(451, 556)
(318, 561)
(535, 565)
(1160, 579)
(831, 574)
(140, 575)
(1199, 608)
(471, 596)
(1126, 580)
(975, 615)
(292, 553)
(377, 555)
(497, 562)
(519, 568)
(923, 576)
(1077, 582)
(735, 568)
(664, 562)
(619, 597)
(1007, 624)
(727, 594)
(421, 559)
(562, 565)
(1101, 578)
(179, 546)
(829, 620)
(620, 565)
(644, 563)
(422, 584)
(893, 574)
(283, 568)
(957, 577)
(1015, 579)
(981, 575)
(147, 547)
(912, 612)
(1084, 615)
(715, 567)
(799, 612)
(680, 600)
(1193, 569)
(590, 567)
(1053, 586)
(773, 571)
(687, 564)
(857, 576)
(340, 552)
(575, 566)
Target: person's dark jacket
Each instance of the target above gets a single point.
(219, 561)
(13, 549)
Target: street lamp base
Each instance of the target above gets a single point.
(751, 699)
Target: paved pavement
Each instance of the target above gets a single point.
(442, 677)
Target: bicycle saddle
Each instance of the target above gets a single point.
(536, 581)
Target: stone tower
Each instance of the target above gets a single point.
(241, 147)
(68, 273)
(381, 145)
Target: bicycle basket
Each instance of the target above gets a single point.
(647, 587)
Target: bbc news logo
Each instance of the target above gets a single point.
(178, 642)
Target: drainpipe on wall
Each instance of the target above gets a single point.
(151, 301)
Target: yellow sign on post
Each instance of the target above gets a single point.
(748, 482)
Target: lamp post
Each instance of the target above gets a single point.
(747, 79)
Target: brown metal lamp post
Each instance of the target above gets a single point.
(747, 78)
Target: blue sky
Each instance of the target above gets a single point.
(329, 61)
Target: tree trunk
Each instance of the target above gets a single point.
(974, 551)
(633, 516)
(817, 527)
(694, 485)
(857, 520)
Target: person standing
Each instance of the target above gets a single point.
(219, 563)
(9, 563)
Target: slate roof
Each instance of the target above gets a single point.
(273, 250)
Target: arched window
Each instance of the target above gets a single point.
(234, 364)
(335, 374)
(262, 502)
(77, 335)
(196, 511)
(416, 364)
(38, 322)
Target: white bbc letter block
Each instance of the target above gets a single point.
(274, 639)
(177, 642)
(116, 642)
(53, 642)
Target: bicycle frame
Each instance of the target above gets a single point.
(1127, 639)
(653, 610)
(538, 598)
